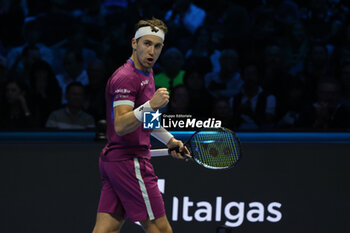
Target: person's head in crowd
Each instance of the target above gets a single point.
(202, 65)
(287, 13)
(97, 73)
(318, 55)
(32, 32)
(328, 92)
(75, 96)
(179, 101)
(201, 43)
(298, 32)
(30, 54)
(202, 36)
(73, 62)
(265, 25)
(15, 112)
(272, 56)
(229, 60)
(250, 76)
(222, 111)
(218, 36)
(43, 80)
(14, 91)
(172, 61)
(194, 80)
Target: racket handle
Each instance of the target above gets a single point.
(167, 152)
(159, 152)
(177, 149)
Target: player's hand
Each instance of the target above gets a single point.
(160, 99)
(182, 149)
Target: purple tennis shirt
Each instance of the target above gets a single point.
(127, 86)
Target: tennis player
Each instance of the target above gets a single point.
(129, 184)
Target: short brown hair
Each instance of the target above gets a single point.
(154, 22)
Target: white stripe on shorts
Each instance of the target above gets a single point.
(143, 189)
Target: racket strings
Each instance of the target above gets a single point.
(216, 149)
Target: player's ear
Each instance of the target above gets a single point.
(133, 43)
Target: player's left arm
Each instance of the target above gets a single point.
(169, 140)
(182, 148)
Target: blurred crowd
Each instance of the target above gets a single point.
(256, 65)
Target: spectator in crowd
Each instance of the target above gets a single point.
(185, 13)
(291, 106)
(264, 30)
(32, 33)
(317, 67)
(321, 25)
(253, 108)
(22, 66)
(222, 111)
(96, 89)
(179, 101)
(227, 82)
(184, 18)
(287, 14)
(345, 84)
(72, 116)
(79, 42)
(45, 93)
(61, 16)
(236, 21)
(14, 109)
(114, 46)
(172, 73)
(273, 77)
(201, 46)
(327, 112)
(200, 99)
(74, 71)
(295, 49)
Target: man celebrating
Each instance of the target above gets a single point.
(129, 184)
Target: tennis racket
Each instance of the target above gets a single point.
(213, 148)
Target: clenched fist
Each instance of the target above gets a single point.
(160, 99)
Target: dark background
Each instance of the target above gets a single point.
(53, 186)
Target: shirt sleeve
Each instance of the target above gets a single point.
(123, 90)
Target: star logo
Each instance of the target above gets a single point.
(155, 115)
(151, 120)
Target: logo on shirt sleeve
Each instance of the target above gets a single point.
(151, 120)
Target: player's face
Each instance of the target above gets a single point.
(147, 50)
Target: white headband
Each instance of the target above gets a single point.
(142, 31)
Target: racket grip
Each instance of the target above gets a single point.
(177, 149)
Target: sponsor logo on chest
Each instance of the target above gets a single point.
(144, 82)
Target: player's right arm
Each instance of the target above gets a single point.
(125, 120)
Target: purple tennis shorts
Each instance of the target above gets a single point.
(130, 189)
